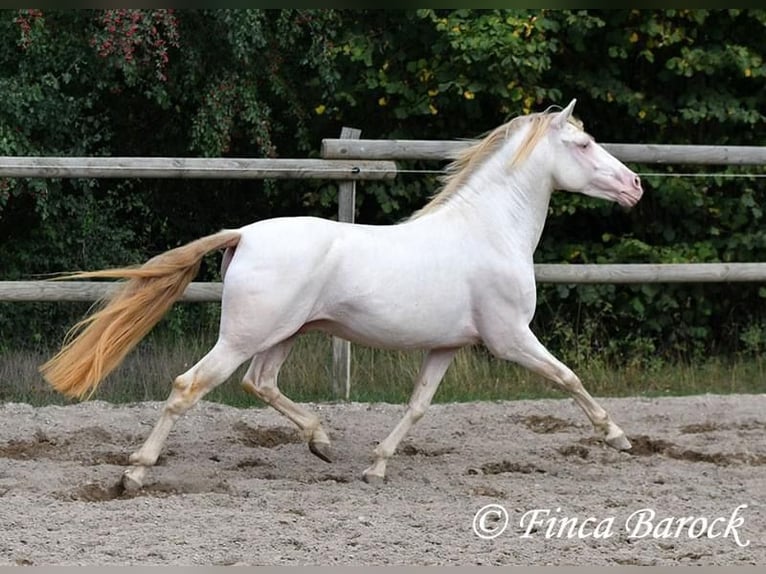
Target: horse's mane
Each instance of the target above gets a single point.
(473, 156)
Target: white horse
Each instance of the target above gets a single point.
(459, 272)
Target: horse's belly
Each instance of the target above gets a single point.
(415, 333)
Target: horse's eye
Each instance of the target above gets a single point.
(584, 145)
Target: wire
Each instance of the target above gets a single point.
(723, 175)
(652, 174)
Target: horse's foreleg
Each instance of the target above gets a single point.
(530, 353)
(261, 381)
(188, 389)
(432, 370)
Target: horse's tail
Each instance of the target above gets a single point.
(97, 345)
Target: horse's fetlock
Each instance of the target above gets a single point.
(316, 432)
(382, 452)
(602, 423)
(139, 458)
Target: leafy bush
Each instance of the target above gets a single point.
(274, 83)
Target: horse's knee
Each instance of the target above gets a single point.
(417, 412)
(185, 393)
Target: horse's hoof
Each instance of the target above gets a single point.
(321, 450)
(619, 442)
(132, 479)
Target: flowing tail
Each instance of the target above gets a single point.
(97, 345)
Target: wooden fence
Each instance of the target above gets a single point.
(631, 153)
(347, 160)
(195, 168)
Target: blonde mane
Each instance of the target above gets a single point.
(472, 157)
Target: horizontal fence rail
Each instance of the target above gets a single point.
(651, 273)
(636, 153)
(636, 273)
(89, 291)
(195, 168)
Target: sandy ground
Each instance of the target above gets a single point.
(237, 486)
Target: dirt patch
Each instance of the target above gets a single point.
(718, 458)
(488, 491)
(509, 466)
(645, 446)
(330, 478)
(707, 427)
(45, 445)
(266, 437)
(412, 450)
(700, 428)
(26, 449)
(92, 492)
(576, 450)
(250, 463)
(546, 424)
(239, 486)
(115, 458)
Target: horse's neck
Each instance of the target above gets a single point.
(512, 205)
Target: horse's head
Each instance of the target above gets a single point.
(582, 165)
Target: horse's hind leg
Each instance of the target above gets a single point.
(213, 369)
(432, 370)
(261, 381)
(527, 351)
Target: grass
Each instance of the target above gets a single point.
(386, 376)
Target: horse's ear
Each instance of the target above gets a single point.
(563, 116)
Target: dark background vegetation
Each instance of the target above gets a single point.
(251, 83)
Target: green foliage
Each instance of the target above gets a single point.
(273, 83)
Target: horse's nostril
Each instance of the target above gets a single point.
(637, 182)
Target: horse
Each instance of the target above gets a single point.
(457, 272)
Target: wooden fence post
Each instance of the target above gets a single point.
(341, 349)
